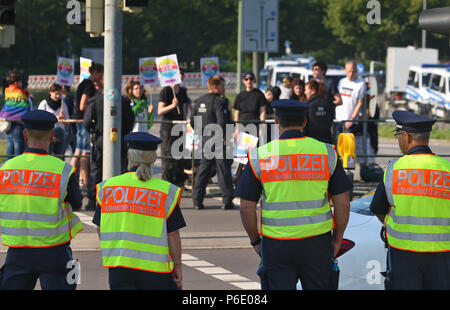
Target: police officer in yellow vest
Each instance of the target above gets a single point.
(139, 218)
(294, 177)
(38, 195)
(413, 203)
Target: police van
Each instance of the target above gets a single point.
(275, 75)
(417, 96)
(439, 92)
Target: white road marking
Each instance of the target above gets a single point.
(220, 273)
(85, 219)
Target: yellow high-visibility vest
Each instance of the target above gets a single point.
(133, 230)
(294, 174)
(32, 208)
(418, 191)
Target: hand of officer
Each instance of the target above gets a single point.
(257, 249)
(177, 276)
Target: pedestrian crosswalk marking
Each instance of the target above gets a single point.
(219, 273)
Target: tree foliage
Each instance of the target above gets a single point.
(332, 30)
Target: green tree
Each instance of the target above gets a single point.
(398, 27)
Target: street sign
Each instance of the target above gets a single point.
(260, 26)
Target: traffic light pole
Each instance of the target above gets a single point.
(112, 109)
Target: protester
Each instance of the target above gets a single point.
(285, 87)
(319, 118)
(69, 100)
(16, 105)
(298, 90)
(142, 110)
(54, 105)
(85, 91)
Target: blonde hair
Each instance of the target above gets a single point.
(144, 160)
(214, 80)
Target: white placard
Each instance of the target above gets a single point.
(209, 67)
(65, 72)
(85, 64)
(168, 70)
(148, 71)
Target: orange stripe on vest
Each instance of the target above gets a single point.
(142, 201)
(422, 182)
(29, 182)
(304, 167)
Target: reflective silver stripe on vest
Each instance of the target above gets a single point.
(415, 220)
(40, 232)
(163, 258)
(295, 205)
(64, 181)
(417, 236)
(331, 158)
(116, 236)
(171, 197)
(255, 161)
(388, 181)
(295, 221)
(21, 216)
(100, 191)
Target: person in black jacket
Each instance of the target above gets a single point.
(93, 122)
(320, 115)
(212, 108)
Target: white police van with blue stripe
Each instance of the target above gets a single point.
(417, 96)
(439, 92)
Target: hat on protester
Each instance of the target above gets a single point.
(287, 107)
(142, 141)
(411, 122)
(248, 73)
(39, 120)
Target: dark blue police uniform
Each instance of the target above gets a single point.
(281, 265)
(132, 279)
(412, 270)
(23, 266)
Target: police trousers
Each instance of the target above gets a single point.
(417, 271)
(285, 262)
(24, 266)
(224, 178)
(132, 279)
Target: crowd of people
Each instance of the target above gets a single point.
(298, 178)
(327, 102)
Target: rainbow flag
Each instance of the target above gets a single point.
(16, 103)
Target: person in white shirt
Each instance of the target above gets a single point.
(56, 106)
(352, 90)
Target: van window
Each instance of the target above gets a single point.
(435, 81)
(295, 76)
(279, 77)
(411, 76)
(425, 79)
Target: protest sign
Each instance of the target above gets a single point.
(148, 71)
(85, 64)
(209, 67)
(168, 70)
(65, 72)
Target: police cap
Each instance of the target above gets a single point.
(142, 141)
(39, 120)
(411, 122)
(287, 107)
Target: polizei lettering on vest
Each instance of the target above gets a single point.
(294, 163)
(135, 200)
(422, 182)
(29, 182)
(424, 178)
